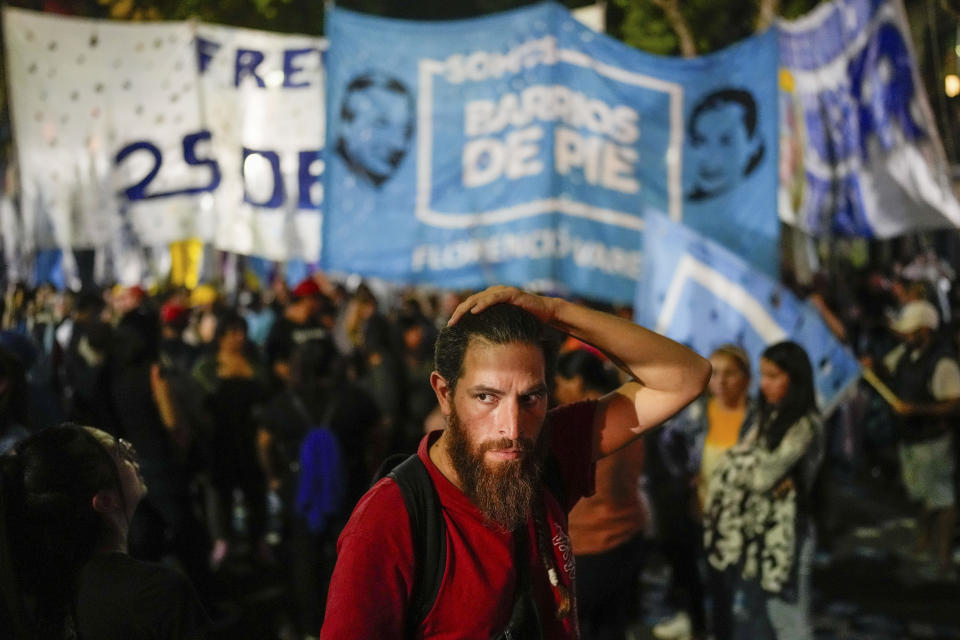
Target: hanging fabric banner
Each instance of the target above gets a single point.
(859, 150)
(521, 147)
(263, 103)
(525, 148)
(137, 135)
(702, 295)
(109, 131)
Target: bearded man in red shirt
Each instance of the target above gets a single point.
(509, 569)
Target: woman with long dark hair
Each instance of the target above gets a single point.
(689, 449)
(67, 496)
(759, 520)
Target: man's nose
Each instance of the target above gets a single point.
(509, 426)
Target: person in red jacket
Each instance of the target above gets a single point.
(506, 532)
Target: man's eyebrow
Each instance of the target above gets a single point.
(536, 389)
(481, 388)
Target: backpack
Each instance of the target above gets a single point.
(321, 485)
(429, 533)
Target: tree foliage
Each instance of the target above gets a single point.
(934, 27)
(287, 16)
(715, 24)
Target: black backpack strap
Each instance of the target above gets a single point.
(387, 465)
(429, 537)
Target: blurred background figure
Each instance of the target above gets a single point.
(305, 466)
(924, 374)
(606, 529)
(689, 448)
(175, 353)
(759, 520)
(300, 322)
(375, 366)
(15, 423)
(259, 315)
(234, 383)
(151, 413)
(85, 364)
(417, 336)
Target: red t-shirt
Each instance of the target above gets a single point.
(373, 579)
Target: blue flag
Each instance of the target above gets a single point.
(702, 295)
(859, 150)
(525, 148)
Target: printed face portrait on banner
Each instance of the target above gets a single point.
(376, 119)
(725, 142)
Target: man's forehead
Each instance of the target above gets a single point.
(481, 354)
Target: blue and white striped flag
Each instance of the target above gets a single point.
(859, 149)
(702, 295)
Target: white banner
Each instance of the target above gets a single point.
(264, 105)
(105, 108)
(138, 135)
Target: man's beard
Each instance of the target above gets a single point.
(504, 491)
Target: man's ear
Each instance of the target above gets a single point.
(106, 501)
(443, 391)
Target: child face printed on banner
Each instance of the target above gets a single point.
(725, 142)
(376, 124)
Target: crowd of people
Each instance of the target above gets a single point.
(195, 405)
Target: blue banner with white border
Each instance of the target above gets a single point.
(702, 295)
(525, 148)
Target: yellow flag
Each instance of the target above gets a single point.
(186, 258)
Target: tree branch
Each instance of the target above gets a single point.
(680, 26)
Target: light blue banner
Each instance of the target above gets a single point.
(525, 148)
(48, 267)
(698, 293)
(859, 151)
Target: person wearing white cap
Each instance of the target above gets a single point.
(925, 376)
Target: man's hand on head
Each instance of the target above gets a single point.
(540, 306)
